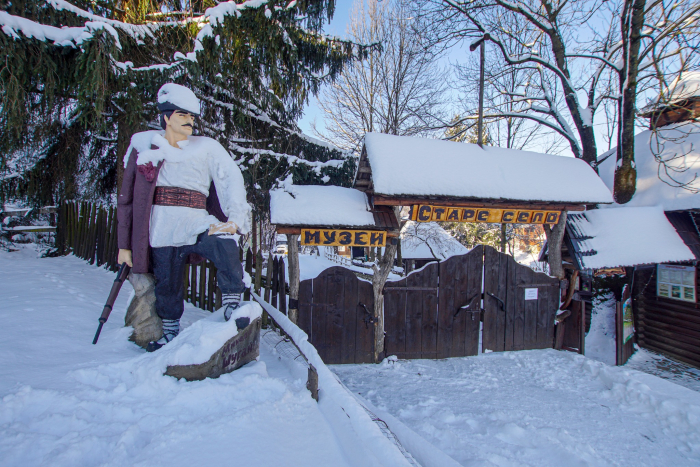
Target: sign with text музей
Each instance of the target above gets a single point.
(326, 237)
(429, 213)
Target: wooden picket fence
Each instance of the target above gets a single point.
(89, 231)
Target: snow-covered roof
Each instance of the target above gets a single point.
(677, 144)
(403, 165)
(624, 236)
(320, 206)
(421, 240)
(683, 87)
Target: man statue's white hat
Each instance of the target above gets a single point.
(173, 97)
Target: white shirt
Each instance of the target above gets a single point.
(198, 162)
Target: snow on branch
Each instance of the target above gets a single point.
(64, 37)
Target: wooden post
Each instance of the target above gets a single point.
(193, 283)
(282, 287)
(258, 272)
(202, 283)
(268, 278)
(618, 333)
(582, 315)
(273, 284)
(186, 280)
(249, 270)
(293, 259)
(211, 286)
(312, 382)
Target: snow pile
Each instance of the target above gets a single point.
(422, 240)
(600, 340)
(66, 402)
(180, 96)
(536, 408)
(678, 146)
(403, 165)
(626, 237)
(683, 87)
(320, 206)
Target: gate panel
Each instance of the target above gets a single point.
(331, 313)
(458, 309)
(513, 323)
(410, 314)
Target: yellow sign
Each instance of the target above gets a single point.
(322, 237)
(427, 213)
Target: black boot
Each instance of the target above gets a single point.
(171, 328)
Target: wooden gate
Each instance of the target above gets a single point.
(434, 312)
(519, 305)
(335, 310)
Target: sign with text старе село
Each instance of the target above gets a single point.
(428, 213)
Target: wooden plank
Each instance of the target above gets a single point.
(519, 312)
(305, 308)
(319, 316)
(511, 305)
(430, 316)
(364, 333)
(335, 288)
(351, 313)
(415, 299)
(268, 278)
(395, 317)
(453, 291)
(475, 267)
(490, 332)
(281, 286)
(249, 270)
(274, 288)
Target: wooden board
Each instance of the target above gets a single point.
(431, 213)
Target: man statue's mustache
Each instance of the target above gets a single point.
(188, 124)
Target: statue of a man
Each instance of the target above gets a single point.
(182, 198)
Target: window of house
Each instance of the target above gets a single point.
(676, 282)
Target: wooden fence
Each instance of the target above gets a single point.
(89, 231)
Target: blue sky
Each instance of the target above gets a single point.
(335, 28)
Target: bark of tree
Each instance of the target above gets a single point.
(293, 260)
(632, 22)
(555, 236)
(381, 273)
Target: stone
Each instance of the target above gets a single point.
(141, 313)
(242, 348)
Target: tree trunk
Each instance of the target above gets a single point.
(555, 236)
(293, 259)
(381, 273)
(632, 21)
(124, 133)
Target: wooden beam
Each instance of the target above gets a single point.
(383, 200)
(365, 170)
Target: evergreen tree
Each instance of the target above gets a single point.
(80, 77)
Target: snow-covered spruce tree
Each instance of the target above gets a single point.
(80, 77)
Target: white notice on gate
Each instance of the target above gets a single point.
(530, 294)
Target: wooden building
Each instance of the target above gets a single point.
(654, 239)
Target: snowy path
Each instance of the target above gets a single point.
(536, 408)
(64, 401)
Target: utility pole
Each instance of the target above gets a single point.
(481, 43)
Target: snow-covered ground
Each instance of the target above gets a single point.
(64, 401)
(536, 408)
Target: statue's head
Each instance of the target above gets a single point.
(178, 108)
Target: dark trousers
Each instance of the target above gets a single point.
(169, 267)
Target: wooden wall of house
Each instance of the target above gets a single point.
(671, 327)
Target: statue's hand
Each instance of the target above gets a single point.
(229, 227)
(125, 257)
